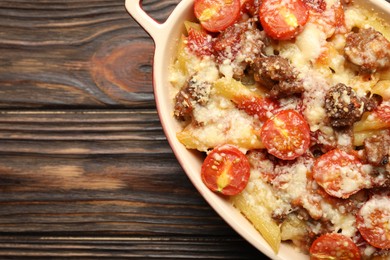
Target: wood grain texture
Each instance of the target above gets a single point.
(85, 169)
(73, 54)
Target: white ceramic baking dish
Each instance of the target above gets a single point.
(165, 36)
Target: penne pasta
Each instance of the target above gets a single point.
(359, 137)
(370, 121)
(257, 203)
(204, 139)
(382, 88)
(233, 89)
(384, 75)
(293, 228)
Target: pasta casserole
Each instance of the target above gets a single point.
(289, 101)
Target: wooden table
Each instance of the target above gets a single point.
(85, 169)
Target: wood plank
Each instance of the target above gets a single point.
(81, 132)
(109, 173)
(121, 247)
(85, 54)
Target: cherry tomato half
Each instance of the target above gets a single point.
(373, 221)
(283, 20)
(217, 15)
(286, 135)
(226, 170)
(199, 42)
(339, 173)
(256, 106)
(334, 246)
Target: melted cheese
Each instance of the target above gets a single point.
(380, 203)
(222, 123)
(311, 43)
(342, 221)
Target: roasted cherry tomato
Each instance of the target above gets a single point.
(199, 42)
(373, 221)
(226, 170)
(286, 135)
(217, 15)
(283, 20)
(340, 173)
(334, 246)
(256, 106)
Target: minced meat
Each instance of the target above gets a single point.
(343, 106)
(238, 46)
(191, 93)
(368, 49)
(276, 74)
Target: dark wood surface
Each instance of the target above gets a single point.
(85, 169)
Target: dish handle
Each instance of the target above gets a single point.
(151, 26)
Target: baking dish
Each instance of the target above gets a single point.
(166, 36)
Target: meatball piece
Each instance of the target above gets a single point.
(343, 107)
(368, 49)
(238, 46)
(276, 74)
(193, 92)
(377, 149)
